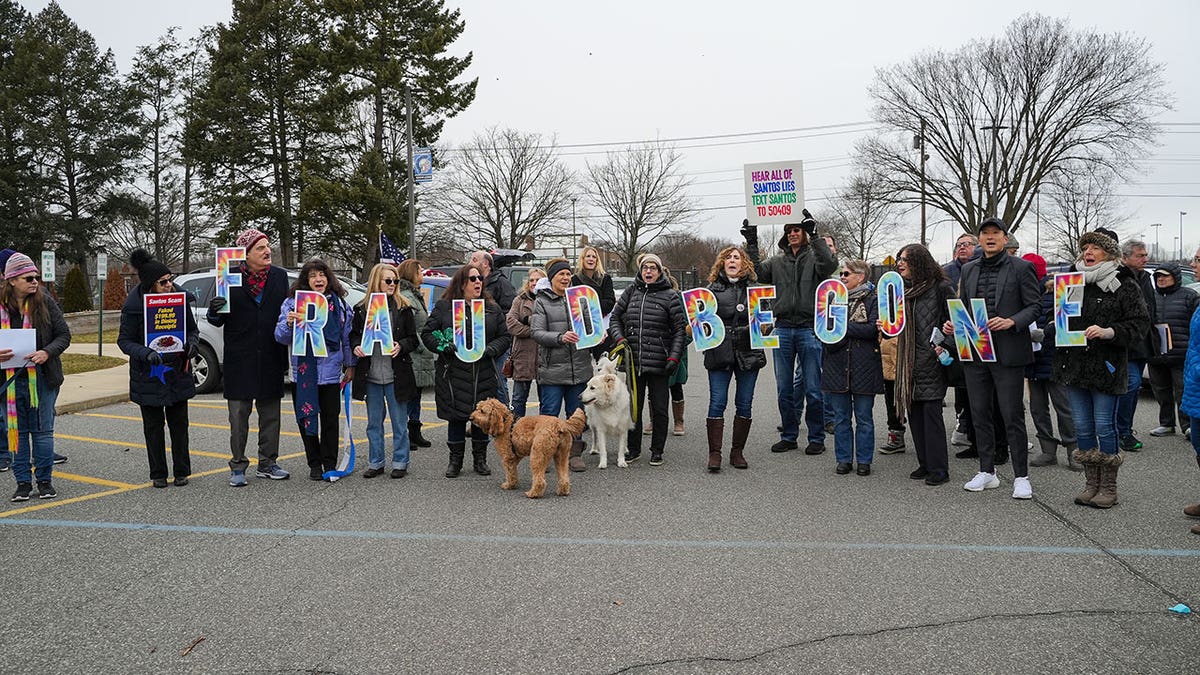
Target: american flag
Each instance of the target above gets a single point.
(388, 252)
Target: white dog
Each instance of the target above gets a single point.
(606, 402)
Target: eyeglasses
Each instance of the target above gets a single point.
(165, 281)
(846, 273)
(30, 279)
(964, 244)
(793, 228)
(902, 259)
(474, 277)
(1196, 260)
(393, 282)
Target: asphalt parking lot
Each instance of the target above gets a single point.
(784, 567)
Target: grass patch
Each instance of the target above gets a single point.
(85, 363)
(89, 337)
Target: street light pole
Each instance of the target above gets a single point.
(574, 233)
(1181, 215)
(1157, 248)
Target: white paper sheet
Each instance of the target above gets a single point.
(22, 341)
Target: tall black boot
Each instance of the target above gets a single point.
(457, 450)
(415, 439)
(479, 453)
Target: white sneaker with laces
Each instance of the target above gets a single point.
(959, 438)
(982, 481)
(1022, 489)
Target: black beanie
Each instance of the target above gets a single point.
(149, 270)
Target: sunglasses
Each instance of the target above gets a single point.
(164, 282)
(846, 273)
(474, 277)
(794, 228)
(902, 259)
(389, 282)
(30, 279)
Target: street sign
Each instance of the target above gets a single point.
(48, 266)
(101, 266)
(422, 165)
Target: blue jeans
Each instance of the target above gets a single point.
(553, 396)
(414, 408)
(377, 396)
(34, 426)
(718, 391)
(520, 397)
(1127, 402)
(798, 381)
(1093, 415)
(857, 441)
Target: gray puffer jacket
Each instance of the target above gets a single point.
(651, 318)
(557, 362)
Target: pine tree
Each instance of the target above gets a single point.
(75, 294)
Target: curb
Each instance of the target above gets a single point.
(80, 406)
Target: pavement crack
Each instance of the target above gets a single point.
(1128, 567)
(885, 631)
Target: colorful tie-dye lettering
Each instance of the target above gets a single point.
(584, 308)
(830, 320)
(891, 304)
(478, 342)
(227, 278)
(377, 326)
(1065, 308)
(761, 318)
(708, 330)
(971, 332)
(313, 309)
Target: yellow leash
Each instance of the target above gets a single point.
(623, 354)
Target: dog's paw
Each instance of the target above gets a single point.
(623, 464)
(602, 465)
(593, 451)
(564, 490)
(533, 495)
(507, 486)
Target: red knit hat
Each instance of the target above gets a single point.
(249, 238)
(1039, 263)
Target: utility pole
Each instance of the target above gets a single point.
(574, 233)
(995, 191)
(412, 188)
(919, 146)
(1181, 215)
(1157, 248)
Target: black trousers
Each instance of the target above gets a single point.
(894, 421)
(176, 419)
(999, 432)
(929, 436)
(660, 397)
(321, 451)
(997, 392)
(1167, 384)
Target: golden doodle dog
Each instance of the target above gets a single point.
(539, 438)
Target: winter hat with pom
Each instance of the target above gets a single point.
(149, 270)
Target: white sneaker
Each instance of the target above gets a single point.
(959, 438)
(982, 481)
(1022, 489)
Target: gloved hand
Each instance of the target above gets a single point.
(672, 366)
(809, 225)
(154, 359)
(749, 232)
(215, 305)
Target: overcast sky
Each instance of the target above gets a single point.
(627, 71)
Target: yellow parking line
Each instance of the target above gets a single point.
(93, 481)
(129, 444)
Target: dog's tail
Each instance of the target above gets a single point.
(574, 424)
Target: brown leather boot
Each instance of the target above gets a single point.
(1110, 465)
(677, 412)
(1091, 470)
(716, 432)
(575, 461)
(1193, 510)
(741, 429)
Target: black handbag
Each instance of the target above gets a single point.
(755, 359)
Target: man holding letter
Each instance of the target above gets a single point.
(1009, 288)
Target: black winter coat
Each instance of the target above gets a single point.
(459, 385)
(652, 319)
(925, 313)
(1102, 365)
(1174, 306)
(1143, 349)
(255, 363)
(733, 311)
(404, 332)
(144, 389)
(854, 365)
(604, 290)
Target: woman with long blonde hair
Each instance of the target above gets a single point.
(386, 380)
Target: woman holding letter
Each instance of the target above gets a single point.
(37, 377)
(319, 379)
(852, 373)
(562, 370)
(386, 380)
(458, 384)
(1112, 315)
(160, 383)
(733, 360)
(921, 380)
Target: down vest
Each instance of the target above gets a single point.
(1174, 306)
(459, 385)
(1191, 373)
(732, 311)
(144, 389)
(1102, 365)
(652, 319)
(558, 363)
(853, 365)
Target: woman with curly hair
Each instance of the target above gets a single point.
(733, 360)
(458, 384)
(319, 379)
(921, 380)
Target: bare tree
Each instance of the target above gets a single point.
(999, 116)
(684, 251)
(1080, 199)
(502, 187)
(864, 218)
(642, 194)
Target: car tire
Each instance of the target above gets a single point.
(206, 370)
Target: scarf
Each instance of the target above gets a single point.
(254, 282)
(1102, 274)
(856, 301)
(308, 404)
(10, 384)
(906, 351)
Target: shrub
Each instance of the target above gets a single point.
(114, 289)
(75, 294)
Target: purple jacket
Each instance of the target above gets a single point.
(329, 369)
